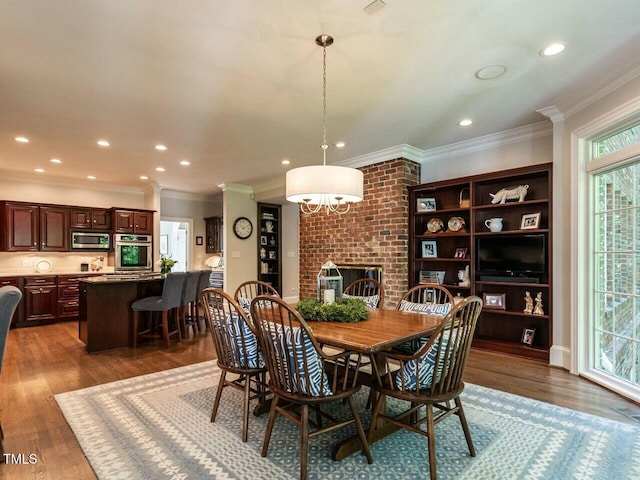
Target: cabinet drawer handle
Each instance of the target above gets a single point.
(73, 304)
(40, 280)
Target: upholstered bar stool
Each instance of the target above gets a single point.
(9, 299)
(203, 282)
(168, 302)
(189, 290)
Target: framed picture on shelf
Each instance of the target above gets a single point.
(272, 254)
(494, 300)
(263, 240)
(460, 253)
(530, 220)
(425, 204)
(527, 336)
(431, 276)
(429, 249)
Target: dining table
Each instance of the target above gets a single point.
(382, 330)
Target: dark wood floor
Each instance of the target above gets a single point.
(43, 361)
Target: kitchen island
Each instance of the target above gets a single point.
(106, 318)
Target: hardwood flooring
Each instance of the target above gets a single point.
(43, 361)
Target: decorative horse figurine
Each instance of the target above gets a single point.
(514, 193)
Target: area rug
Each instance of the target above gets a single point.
(157, 426)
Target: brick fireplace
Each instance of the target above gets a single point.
(375, 231)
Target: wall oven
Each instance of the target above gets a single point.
(90, 241)
(133, 253)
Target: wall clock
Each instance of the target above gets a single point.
(243, 228)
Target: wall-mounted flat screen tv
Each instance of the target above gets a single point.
(511, 254)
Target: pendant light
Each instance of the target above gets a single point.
(330, 186)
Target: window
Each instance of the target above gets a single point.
(616, 271)
(616, 142)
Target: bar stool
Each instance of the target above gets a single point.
(169, 301)
(189, 290)
(203, 282)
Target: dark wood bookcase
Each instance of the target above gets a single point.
(468, 198)
(270, 244)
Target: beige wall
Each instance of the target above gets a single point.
(240, 260)
(290, 251)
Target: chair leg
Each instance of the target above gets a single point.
(136, 318)
(304, 440)
(272, 419)
(245, 407)
(360, 429)
(465, 427)
(431, 442)
(216, 402)
(165, 327)
(374, 416)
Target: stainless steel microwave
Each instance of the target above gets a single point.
(90, 241)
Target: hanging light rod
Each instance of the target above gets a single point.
(330, 186)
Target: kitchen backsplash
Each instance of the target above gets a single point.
(25, 263)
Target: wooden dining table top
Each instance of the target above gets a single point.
(382, 330)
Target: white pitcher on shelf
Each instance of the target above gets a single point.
(494, 224)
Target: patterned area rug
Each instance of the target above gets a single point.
(157, 426)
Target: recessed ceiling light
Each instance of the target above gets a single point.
(340, 144)
(185, 163)
(91, 177)
(103, 143)
(285, 162)
(144, 177)
(39, 170)
(22, 139)
(161, 147)
(553, 49)
(55, 160)
(160, 169)
(490, 72)
(465, 123)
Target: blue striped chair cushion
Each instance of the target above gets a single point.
(422, 367)
(318, 381)
(239, 329)
(370, 301)
(441, 309)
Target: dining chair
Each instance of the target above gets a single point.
(237, 350)
(369, 290)
(428, 298)
(9, 299)
(301, 375)
(430, 378)
(249, 290)
(168, 304)
(187, 309)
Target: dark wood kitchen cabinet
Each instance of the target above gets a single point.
(33, 228)
(40, 298)
(133, 221)
(11, 282)
(213, 230)
(90, 219)
(68, 296)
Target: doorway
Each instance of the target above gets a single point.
(174, 242)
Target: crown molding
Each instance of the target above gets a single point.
(189, 196)
(61, 182)
(399, 151)
(270, 185)
(235, 187)
(553, 113)
(575, 105)
(493, 140)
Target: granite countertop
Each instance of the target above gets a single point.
(123, 277)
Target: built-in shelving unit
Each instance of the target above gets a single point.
(270, 245)
(468, 200)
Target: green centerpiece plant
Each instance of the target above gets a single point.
(166, 264)
(348, 310)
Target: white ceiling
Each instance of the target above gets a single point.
(236, 86)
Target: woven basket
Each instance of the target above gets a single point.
(465, 202)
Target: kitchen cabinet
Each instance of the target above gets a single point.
(133, 221)
(213, 230)
(68, 296)
(31, 228)
(90, 218)
(40, 298)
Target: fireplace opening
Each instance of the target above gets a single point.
(351, 273)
